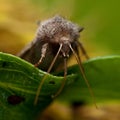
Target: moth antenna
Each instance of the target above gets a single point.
(48, 71)
(80, 29)
(63, 82)
(43, 53)
(83, 50)
(83, 74)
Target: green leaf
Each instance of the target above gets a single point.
(103, 74)
(19, 80)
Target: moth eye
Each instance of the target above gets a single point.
(14, 99)
(52, 82)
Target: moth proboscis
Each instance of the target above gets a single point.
(55, 41)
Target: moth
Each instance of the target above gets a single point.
(55, 41)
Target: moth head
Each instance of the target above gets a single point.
(57, 28)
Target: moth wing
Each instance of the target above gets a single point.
(32, 51)
(32, 54)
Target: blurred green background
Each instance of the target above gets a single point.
(18, 22)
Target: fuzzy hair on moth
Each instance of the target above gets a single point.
(55, 41)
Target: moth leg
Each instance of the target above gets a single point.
(43, 53)
(64, 81)
(48, 71)
(83, 50)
